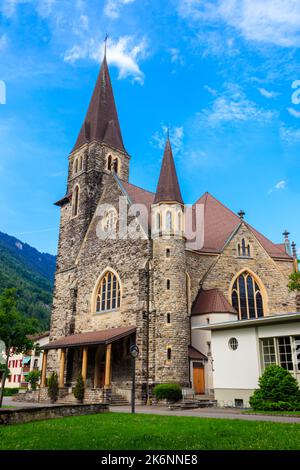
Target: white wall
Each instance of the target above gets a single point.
(239, 369)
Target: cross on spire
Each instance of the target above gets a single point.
(105, 44)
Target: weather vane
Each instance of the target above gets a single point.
(105, 41)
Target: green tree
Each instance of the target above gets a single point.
(278, 389)
(33, 378)
(79, 389)
(294, 284)
(14, 329)
(53, 387)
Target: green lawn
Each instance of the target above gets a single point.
(111, 431)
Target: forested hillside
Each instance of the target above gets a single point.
(32, 273)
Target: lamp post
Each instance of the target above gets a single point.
(134, 352)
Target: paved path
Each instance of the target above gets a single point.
(206, 413)
(228, 413)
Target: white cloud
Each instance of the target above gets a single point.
(289, 135)
(211, 90)
(3, 42)
(234, 106)
(279, 186)
(267, 94)
(112, 8)
(269, 21)
(176, 137)
(294, 113)
(123, 53)
(176, 56)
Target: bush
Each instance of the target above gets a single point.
(9, 392)
(79, 389)
(168, 392)
(53, 387)
(33, 378)
(278, 390)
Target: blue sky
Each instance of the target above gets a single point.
(219, 73)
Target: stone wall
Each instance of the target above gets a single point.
(273, 278)
(27, 414)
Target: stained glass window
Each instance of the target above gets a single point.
(108, 294)
(246, 297)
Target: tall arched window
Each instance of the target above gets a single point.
(76, 166)
(169, 220)
(109, 162)
(179, 221)
(108, 293)
(244, 249)
(246, 297)
(116, 165)
(158, 221)
(110, 220)
(75, 201)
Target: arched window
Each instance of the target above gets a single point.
(80, 166)
(168, 284)
(169, 220)
(244, 249)
(158, 221)
(246, 297)
(110, 220)
(179, 221)
(75, 201)
(169, 354)
(116, 166)
(168, 318)
(108, 293)
(109, 162)
(76, 166)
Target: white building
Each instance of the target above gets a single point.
(241, 350)
(21, 364)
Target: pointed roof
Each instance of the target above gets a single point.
(211, 301)
(101, 121)
(168, 187)
(219, 225)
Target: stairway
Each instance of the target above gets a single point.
(118, 400)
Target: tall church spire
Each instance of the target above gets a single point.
(168, 189)
(101, 122)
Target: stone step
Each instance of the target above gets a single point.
(118, 400)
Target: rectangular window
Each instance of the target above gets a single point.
(268, 350)
(285, 352)
(297, 352)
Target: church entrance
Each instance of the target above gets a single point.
(198, 378)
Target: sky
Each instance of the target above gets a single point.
(223, 75)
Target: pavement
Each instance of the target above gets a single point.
(219, 413)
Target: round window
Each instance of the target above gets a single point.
(233, 343)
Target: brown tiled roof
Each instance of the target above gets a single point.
(101, 122)
(211, 301)
(220, 223)
(168, 187)
(90, 338)
(195, 354)
(64, 200)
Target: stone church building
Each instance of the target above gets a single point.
(129, 272)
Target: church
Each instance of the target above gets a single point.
(136, 267)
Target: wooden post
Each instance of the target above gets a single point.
(107, 366)
(44, 369)
(97, 368)
(84, 363)
(62, 368)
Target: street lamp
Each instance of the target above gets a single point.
(134, 352)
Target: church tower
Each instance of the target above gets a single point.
(169, 282)
(99, 149)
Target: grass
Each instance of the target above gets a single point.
(122, 431)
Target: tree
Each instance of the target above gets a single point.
(278, 389)
(14, 329)
(79, 389)
(294, 284)
(33, 378)
(53, 387)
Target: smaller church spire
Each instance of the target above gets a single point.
(168, 189)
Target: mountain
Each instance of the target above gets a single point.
(32, 273)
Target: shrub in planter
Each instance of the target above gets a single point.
(170, 392)
(278, 390)
(33, 378)
(9, 392)
(53, 387)
(79, 389)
